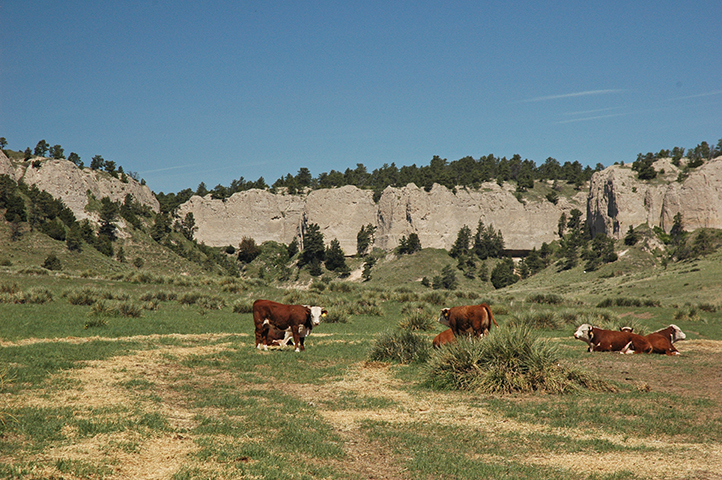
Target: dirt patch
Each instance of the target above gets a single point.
(134, 338)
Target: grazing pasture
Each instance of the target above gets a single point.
(170, 386)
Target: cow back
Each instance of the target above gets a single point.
(280, 315)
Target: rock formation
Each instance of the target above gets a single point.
(618, 200)
(63, 179)
(435, 216)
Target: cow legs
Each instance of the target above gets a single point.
(297, 338)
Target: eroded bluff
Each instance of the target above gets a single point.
(64, 180)
(435, 216)
(618, 200)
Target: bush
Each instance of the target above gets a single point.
(9, 288)
(189, 298)
(35, 295)
(400, 346)
(539, 319)
(337, 315)
(83, 296)
(435, 298)
(112, 308)
(160, 295)
(505, 361)
(550, 299)
(417, 320)
(52, 263)
(243, 306)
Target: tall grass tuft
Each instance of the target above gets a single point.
(9, 288)
(549, 299)
(112, 308)
(688, 313)
(336, 315)
(243, 306)
(628, 302)
(400, 346)
(35, 295)
(160, 295)
(435, 298)
(541, 319)
(206, 302)
(505, 361)
(189, 298)
(417, 321)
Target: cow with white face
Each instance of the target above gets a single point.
(271, 318)
(600, 340)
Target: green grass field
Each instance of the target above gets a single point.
(125, 376)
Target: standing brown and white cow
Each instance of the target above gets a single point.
(299, 320)
(470, 320)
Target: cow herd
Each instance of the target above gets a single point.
(625, 341)
(278, 324)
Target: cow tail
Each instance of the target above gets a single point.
(491, 315)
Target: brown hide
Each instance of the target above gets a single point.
(613, 341)
(661, 344)
(472, 320)
(447, 336)
(281, 317)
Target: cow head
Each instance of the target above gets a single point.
(584, 332)
(316, 314)
(444, 317)
(677, 333)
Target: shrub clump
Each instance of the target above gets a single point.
(243, 306)
(628, 302)
(435, 298)
(400, 346)
(417, 320)
(505, 361)
(550, 298)
(337, 315)
(35, 295)
(111, 308)
(544, 319)
(160, 295)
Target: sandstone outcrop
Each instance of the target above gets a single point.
(435, 216)
(618, 200)
(63, 179)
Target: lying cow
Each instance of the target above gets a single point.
(663, 339)
(471, 320)
(672, 332)
(600, 340)
(300, 319)
(447, 336)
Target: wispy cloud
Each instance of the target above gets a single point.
(587, 112)
(166, 169)
(699, 95)
(573, 95)
(596, 117)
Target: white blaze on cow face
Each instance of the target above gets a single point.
(444, 317)
(316, 314)
(678, 333)
(584, 332)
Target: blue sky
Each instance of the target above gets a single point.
(185, 92)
